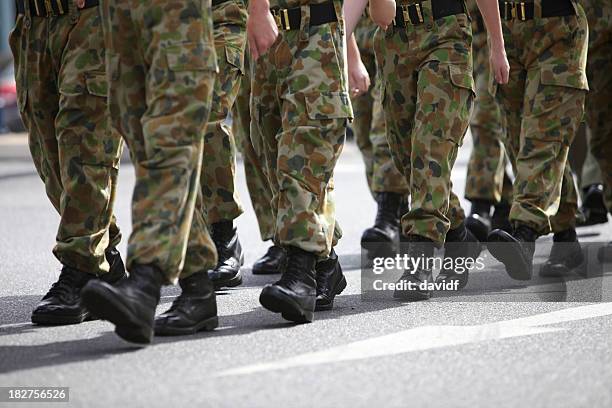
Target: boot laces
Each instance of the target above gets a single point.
(67, 283)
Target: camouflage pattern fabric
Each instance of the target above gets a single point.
(221, 201)
(369, 123)
(161, 65)
(486, 175)
(428, 97)
(62, 88)
(543, 104)
(300, 108)
(599, 72)
(254, 165)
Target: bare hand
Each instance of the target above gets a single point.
(382, 12)
(80, 3)
(261, 30)
(499, 65)
(359, 79)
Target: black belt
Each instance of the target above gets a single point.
(519, 10)
(291, 19)
(413, 13)
(48, 8)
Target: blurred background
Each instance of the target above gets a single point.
(9, 114)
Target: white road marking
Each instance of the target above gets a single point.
(431, 337)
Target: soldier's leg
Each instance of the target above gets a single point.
(387, 184)
(552, 108)
(256, 178)
(221, 202)
(425, 141)
(486, 166)
(73, 151)
(302, 154)
(161, 79)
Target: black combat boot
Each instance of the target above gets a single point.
(227, 272)
(593, 206)
(460, 243)
(501, 218)
(62, 304)
(378, 240)
(479, 221)
(514, 250)
(271, 263)
(130, 305)
(420, 249)
(565, 255)
(194, 310)
(330, 281)
(294, 295)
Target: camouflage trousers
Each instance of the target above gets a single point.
(543, 104)
(300, 108)
(428, 96)
(599, 72)
(219, 194)
(370, 134)
(254, 164)
(161, 67)
(62, 88)
(486, 173)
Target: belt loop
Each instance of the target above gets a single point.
(339, 15)
(305, 23)
(428, 16)
(27, 13)
(537, 9)
(73, 11)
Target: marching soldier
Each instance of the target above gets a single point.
(161, 66)
(543, 104)
(425, 58)
(300, 108)
(386, 183)
(487, 182)
(59, 64)
(189, 311)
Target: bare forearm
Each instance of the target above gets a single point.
(353, 10)
(490, 14)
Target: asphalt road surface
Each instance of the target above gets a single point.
(499, 343)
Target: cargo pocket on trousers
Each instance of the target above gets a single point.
(329, 105)
(461, 77)
(235, 57)
(558, 103)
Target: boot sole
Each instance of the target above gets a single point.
(44, 319)
(229, 283)
(559, 270)
(411, 295)
(103, 303)
(277, 302)
(506, 252)
(265, 271)
(338, 289)
(205, 325)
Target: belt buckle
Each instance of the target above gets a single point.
(406, 14)
(523, 16)
(49, 8)
(281, 16)
(417, 6)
